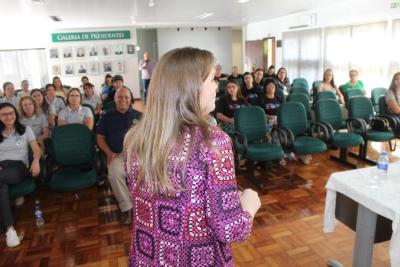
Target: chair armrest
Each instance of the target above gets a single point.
(353, 123)
(320, 130)
(240, 139)
(280, 135)
(289, 136)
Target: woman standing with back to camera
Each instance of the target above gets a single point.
(181, 171)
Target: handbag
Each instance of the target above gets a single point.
(380, 124)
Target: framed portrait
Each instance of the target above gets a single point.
(93, 51)
(68, 69)
(107, 67)
(119, 66)
(54, 53)
(118, 49)
(67, 52)
(81, 68)
(94, 68)
(80, 52)
(105, 50)
(56, 70)
(130, 49)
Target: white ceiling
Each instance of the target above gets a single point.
(111, 13)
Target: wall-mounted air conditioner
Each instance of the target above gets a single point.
(304, 21)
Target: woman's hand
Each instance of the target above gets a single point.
(250, 201)
(35, 168)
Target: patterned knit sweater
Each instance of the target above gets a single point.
(195, 226)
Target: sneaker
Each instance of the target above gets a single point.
(282, 162)
(305, 159)
(12, 238)
(19, 201)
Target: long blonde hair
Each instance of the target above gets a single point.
(173, 102)
(36, 111)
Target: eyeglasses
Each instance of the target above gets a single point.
(75, 95)
(9, 114)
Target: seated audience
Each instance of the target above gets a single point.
(60, 90)
(258, 80)
(74, 112)
(353, 83)
(218, 73)
(235, 74)
(90, 98)
(32, 117)
(47, 109)
(392, 98)
(270, 103)
(328, 84)
(249, 91)
(84, 80)
(52, 99)
(227, 105)
(9, 94)
(282, 81)
(15, 141)
(111, 130)
(107, 86)
(270, 72)
(25, 89)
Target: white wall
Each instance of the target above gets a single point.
(237, 49)
(344, 13)
(218, 42)
(131, 74)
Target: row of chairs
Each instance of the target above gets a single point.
(296, 133)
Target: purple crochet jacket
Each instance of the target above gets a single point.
(196, 226)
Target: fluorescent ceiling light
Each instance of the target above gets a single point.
(242, 1)
(204, 15)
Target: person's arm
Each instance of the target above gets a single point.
(88, 120)
(224, 118)
(37, 153)
(52, 120)
(320, 88)
(393, 106)
(101, 142)
(230, 221)
(61, 118)
(44, 136)
(340, 95)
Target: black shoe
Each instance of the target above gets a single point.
(126, 217)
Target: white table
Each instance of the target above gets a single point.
(384, 201)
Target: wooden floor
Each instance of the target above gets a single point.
(287, 230)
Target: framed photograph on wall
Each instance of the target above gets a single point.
(130, 49)
(93, 51)
(67, 52)
(68, 69)
(107, 67)
(80, 51)
(119, 66)
(56, 70)
(81, 68)
(94, 68)
(105, 50)
(118, 49)
(54, 53)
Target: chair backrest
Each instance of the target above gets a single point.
(383, 108)
(279, 93)
(376, 93)
(316, 83)
(300, 89)
(222, 85)
(90, 107)
(328, 110)
(292, 115)
(301, 81)
(301, 98)
(325, 95)
(352, 93)
(61, 98)
(360, 108)
(108, 106)
(250, 121)
(72, 144)
(240, 82)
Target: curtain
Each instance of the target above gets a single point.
(18, 65)
(394, 51)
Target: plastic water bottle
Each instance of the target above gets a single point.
(38, 214)
(383, 165)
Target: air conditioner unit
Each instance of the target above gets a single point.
(304, 21)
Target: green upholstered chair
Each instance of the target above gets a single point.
(315, 85)
(352, 93)
(108, 106)
(279, 93)
(292, 119)
(325, 95)
(240, 82)
(328, 112)
(222, 85)
(300, 89)
(303, 99)
(394, 120)
(360, 114)
(300, 81)
(250, 133)
(376, 94)
(73, 147)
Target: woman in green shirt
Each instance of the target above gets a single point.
(353, 83)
